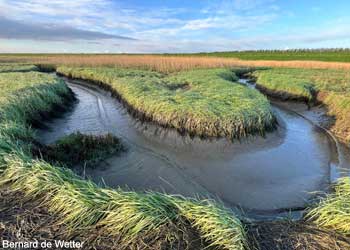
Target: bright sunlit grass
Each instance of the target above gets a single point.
(200, 102)
(334, 211)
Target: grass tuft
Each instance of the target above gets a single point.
(86, 150)
(217, 224)
(334, 210)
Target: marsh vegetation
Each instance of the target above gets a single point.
(164, 64)
(200, 102)
(80, 149)
(329, 87)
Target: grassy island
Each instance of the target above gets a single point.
(202, 102)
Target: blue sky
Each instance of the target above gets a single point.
(135, 26)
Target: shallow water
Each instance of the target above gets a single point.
(261, 175)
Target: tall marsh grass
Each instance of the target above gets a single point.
(167, 64)
(328, 86)
(205, 103)
(83, 206)
(334, 210)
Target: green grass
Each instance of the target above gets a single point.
(14, 81)
(82, 149)
(17, 68)
(280, 55)
(80, 204)
(332, 86)
(302, 81)
(24, 98)
(334, 211)
(290, 81)
(22, 94)
(202, 102)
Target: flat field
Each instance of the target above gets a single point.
(286, 55)
(166, 64)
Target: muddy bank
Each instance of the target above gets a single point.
(247, 174)
(56, 111)
(289, 235)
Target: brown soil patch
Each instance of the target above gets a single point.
(288, 235)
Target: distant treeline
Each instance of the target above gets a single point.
(288, 50)
(321, 54)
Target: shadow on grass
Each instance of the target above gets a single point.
(80, 149)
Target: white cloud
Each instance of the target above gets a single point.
(233, 6)
(220, 25)
(96, 15)
(52, 7)
(108, 17)
(233, 22)
(49, 32)
(201, 24)
(200, 27)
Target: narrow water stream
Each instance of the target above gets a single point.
(263, 176)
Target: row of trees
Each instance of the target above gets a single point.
(298, 50)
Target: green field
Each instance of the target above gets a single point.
(280, 55)
(304, 82)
